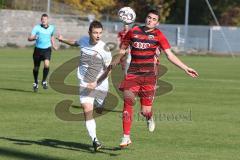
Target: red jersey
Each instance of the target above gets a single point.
(143, 49)
(121, 35)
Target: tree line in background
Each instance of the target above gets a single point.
(227, 12)
(171, 11)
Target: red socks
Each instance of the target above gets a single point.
(127, 116)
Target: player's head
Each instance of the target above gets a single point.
(95, 31)
(44, 19)
(152, 19)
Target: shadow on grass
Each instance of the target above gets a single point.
(6, 152)
(103, 109)
(73, 146)
(16, 90)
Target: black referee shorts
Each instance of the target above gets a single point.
(41, 54)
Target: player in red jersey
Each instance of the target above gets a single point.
(141, 76)
(122, 34)
(125, 60)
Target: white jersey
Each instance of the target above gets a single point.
(93, 60)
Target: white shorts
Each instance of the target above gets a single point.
(98, 94)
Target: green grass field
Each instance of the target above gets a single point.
(198, 120)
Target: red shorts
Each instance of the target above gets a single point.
(143, 86)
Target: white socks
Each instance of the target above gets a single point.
(126, 136)
(91, 127)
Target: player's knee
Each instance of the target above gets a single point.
(129, 101)
(129, 98)
(46, 66)
(127, 110)
(88, 111)
(87, 107)
(128, 107)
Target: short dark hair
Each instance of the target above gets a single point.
(44, 15)
(95, 24)
(153, 11)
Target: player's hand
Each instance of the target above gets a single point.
(55, 48)
(92, 85)
(59, 38)
(32, 38)
(35, 37)
(114, 63)
(191, 72)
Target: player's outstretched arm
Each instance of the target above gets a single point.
(67, 41)
(114, 62)
(106, 73)
(175, 60)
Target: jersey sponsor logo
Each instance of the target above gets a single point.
(151, 36)
(135, 36)
(141, 45)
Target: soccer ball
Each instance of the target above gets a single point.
(127, 15)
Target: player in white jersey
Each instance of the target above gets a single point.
(94, 59)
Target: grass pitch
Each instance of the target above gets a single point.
(198, 120)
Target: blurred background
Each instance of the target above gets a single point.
(192, 26)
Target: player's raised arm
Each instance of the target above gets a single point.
(67, 41)
(175, 60)
(114, 62)
(106, 73)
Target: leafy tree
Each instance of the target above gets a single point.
(171, 11)
(198, 12)
(231, 16)
(90, 6)
(226, 12)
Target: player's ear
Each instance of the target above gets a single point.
(89, 32)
